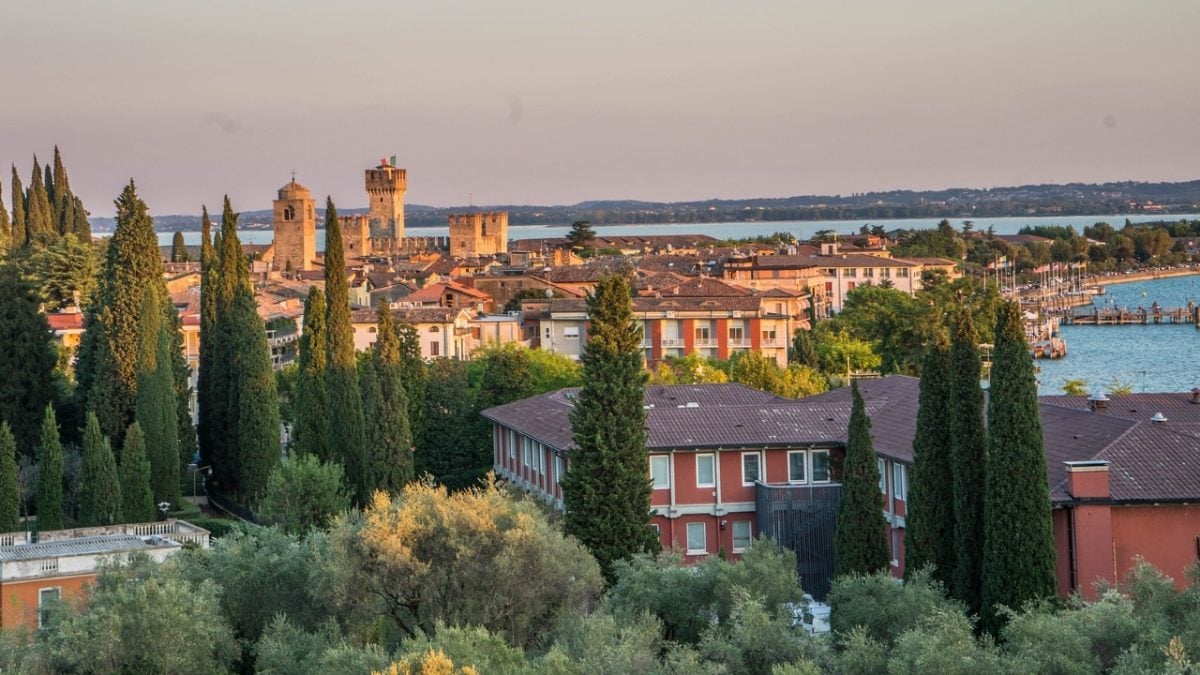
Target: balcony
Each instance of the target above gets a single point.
(672, 342)
(770, 343)
(739, 343)
(802, 518)
(706, 342)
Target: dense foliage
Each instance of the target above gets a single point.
(968, 461)
(929, 521)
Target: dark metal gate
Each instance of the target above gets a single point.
(802, 518)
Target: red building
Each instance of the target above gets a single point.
(729, 463)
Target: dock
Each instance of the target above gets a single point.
(1142, 316)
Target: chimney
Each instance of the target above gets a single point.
(1158, 418)
(1196, 395)
(1098, 401)
(1088, 479)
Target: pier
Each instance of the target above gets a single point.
(1152, 316)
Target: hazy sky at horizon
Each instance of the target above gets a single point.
(551, 102)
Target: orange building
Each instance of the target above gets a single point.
(62, 563)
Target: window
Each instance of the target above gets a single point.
(660, 471)
(435, 348)
(737, 333)
(902, 272)
(741, 535)
(697, 539)
(560, 467)
(885, 272)
(820, 466)
(882, 467)
(851, 272)
(768, 336)
(895, 547)
(47, 599)
(750, 468)
(548, 332)
(703, 334)
(512, 444)
(868, 272)
(705, 471)
(796, 473)
(656, 528)
(571, 333)
(899, 481)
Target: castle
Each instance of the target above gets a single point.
(381, 230)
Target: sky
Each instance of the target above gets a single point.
(552, 102)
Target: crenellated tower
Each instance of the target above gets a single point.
(386, 186)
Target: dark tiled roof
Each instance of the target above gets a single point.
(1148, 462)
(409, 315)
(704, 287)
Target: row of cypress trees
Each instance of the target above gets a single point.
(237, 394)
(991, 544)
(131, 366)
(108, 492)
(358, 414)
(44, 211)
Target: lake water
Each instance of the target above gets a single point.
(1149, 358)
(801, 229)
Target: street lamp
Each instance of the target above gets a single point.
(164, 507)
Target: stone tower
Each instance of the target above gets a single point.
(474, 234)
(386, 186)
(295, 228)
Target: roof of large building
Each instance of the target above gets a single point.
(1147, 461)
(70, 547)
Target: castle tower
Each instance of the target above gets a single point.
(473, 234)
(295, 220)
(386, 186)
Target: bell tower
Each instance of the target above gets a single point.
(295, 220)
(386, 186)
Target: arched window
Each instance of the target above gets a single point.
(433, 329)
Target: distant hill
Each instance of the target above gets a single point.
(1071, 199)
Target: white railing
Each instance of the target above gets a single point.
(672, 342)
(770, 343)
(706, 343)
(739, 343)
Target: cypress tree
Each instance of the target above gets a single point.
(179, 252)
(606, 490)
(20, 229)
(6, 234)
(346, 435)
(205, 404)
(156, 404)
(1018, 529)
(83, 228)
(132, 265)
(39, 215)
(968, 461)
(69, 215)
(10, 488)
(929, 522)
(99, 490)
(385, 405)
(181, 376)
(311, 435)
(137, 497)
(50, 475)
(27, 358)
(227, 267)
(257, 410)
(861, 543)
(413, 377)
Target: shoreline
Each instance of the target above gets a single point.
(1147, 275)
